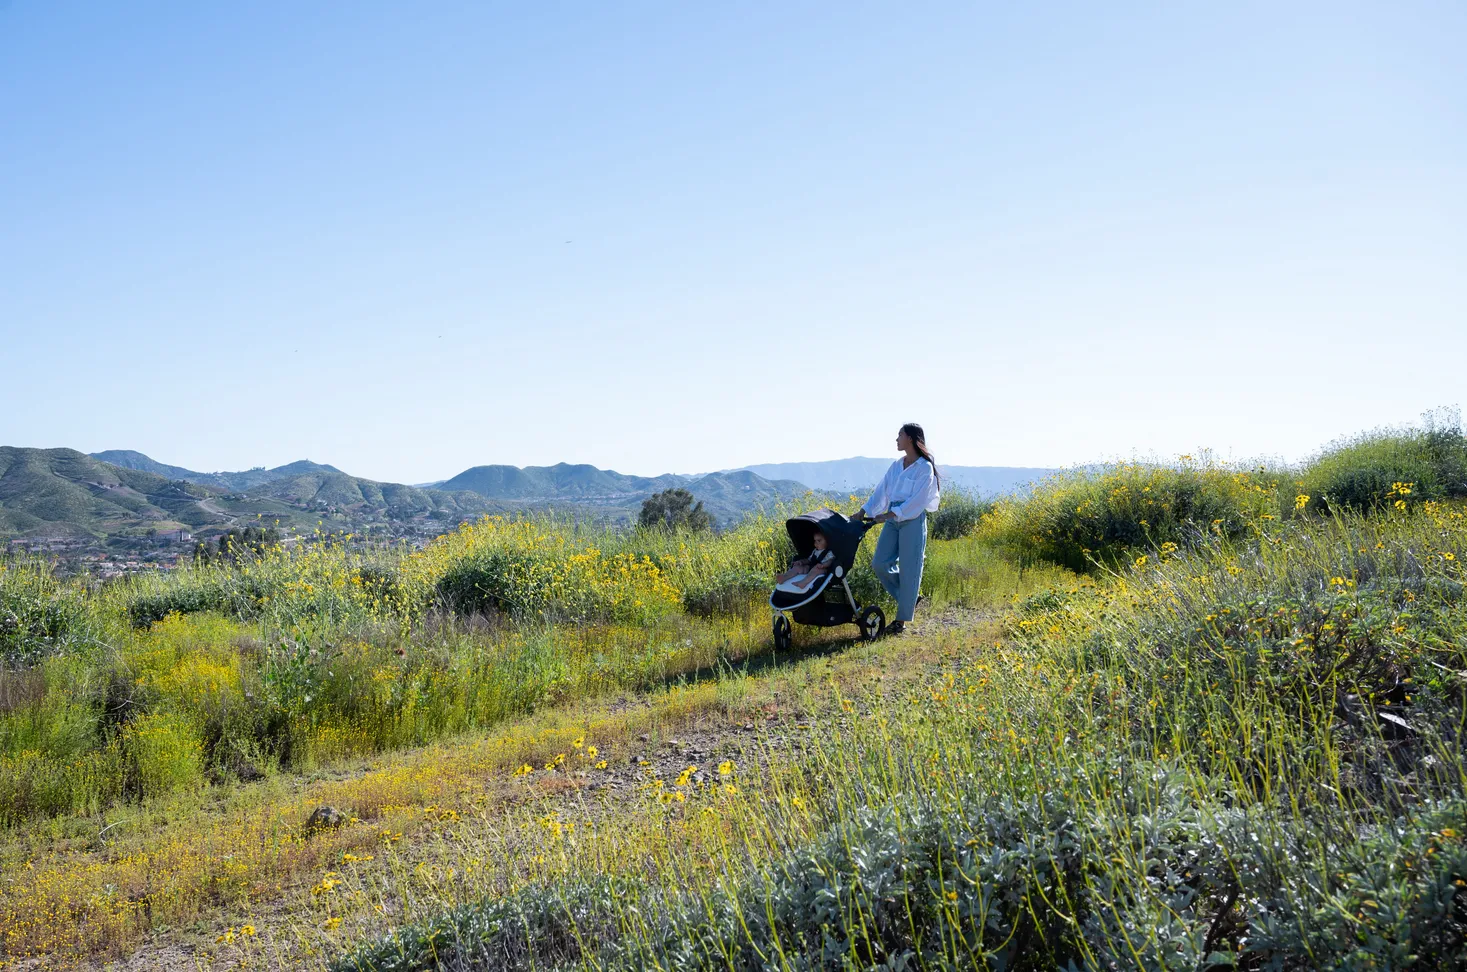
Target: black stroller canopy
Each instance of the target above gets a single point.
(842, 535)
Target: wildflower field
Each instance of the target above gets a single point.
(1152, 716)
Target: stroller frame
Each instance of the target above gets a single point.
(814, 606)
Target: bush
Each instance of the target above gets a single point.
(497, 582)
(958, 516)
(39, 615)
(164, 752)
(154, 606)
(674, 509)
(1082, 519)
(1387, 468)
(732, 591)
(33, 784)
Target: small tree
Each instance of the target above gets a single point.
(675, 508)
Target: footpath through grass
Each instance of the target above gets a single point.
(175, 864)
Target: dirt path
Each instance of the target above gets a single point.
(641, 739)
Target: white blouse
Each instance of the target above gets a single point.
(908, 492)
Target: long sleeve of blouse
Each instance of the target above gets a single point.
(906, 491)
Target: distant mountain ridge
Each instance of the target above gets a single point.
(861, 473)
(122, 500)
(561, 481)
(726, 495)
(234, 481)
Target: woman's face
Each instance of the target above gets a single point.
(904, 441)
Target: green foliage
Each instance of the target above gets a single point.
(1004, 880)
(1381, 468)
(729, 592)
(1082, 519)
(674, 509)
(958, 516)
(234, 544)
(39, 614)
(34, 785)
(496, 581)
(164, 752)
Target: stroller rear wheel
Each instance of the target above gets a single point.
(872, 622)
(783, 633)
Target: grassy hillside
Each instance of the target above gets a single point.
(131, 459)
(55, 493)
(728, 496)
(563, 481)
(228, 481)
(62, 492)
(348, 492)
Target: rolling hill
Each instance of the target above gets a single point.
(123, 495)
(726, 495)
(562, 481)
(123, 500)
(231, 481)
(337, 489)
(66, 493)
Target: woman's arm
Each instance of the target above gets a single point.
(880, 496)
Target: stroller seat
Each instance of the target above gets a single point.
(783, 600)
(828, 601)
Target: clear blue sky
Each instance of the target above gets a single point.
(407, 238)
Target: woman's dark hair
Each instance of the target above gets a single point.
(914, 432)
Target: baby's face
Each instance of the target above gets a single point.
(819, 541)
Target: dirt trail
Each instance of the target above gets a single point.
(700, 739)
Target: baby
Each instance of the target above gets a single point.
(802, 573)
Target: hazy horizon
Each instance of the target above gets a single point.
(406, 240)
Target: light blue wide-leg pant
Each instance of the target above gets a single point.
(900, 551)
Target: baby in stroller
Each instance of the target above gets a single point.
(803, 572)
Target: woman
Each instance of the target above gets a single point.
(906, 494)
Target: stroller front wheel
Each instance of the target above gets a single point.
(872, 621)
(783, 633)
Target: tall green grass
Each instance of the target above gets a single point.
(40, 614)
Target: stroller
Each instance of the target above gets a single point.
(828, 601)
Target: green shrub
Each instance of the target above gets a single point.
(1385, 468)
(39, 614)
(153, 606)
(33, 784)
(1085, 518)
(675, 509)
(958, 516)
(731, 591)
(494, 582)
(164, 752)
